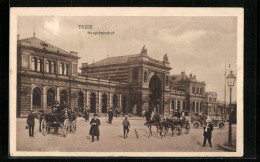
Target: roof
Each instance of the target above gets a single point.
(114, 60)
(40, 44)
(177, 77)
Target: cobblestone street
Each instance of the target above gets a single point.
(111, 139)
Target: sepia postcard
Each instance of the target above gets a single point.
(126, 82)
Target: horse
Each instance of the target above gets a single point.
(155, 121)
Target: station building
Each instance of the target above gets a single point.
(133, 83)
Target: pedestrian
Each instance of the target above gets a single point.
(42, 116)
(31, 123)
(126, 126)
(56, 107)
(110, 116)
(87, 114)
(207, 132)
(94, 129)
(116, 112)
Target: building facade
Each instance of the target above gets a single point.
(133, 83)
(211, 99)
(193, 89)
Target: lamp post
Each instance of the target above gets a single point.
(231, 78)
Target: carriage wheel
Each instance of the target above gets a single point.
(187, 128)
(65, 127)
(221, 125)
(44, 127)
(196, 124)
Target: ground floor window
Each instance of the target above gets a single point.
(50, 97)
(37, 97)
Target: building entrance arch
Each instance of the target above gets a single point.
(155, 94)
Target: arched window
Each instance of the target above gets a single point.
(173, 104)
(184, 105)
(38, 65)
(48, 67)
(37, 97)
(34, 64)
(178, 105)
(67, 69)
(53, 67)
(63, 96)
(50, 97)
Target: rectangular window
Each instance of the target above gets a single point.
(193, 90)
(25, 60)
(74, 68)
(197, 90)
(210, 99)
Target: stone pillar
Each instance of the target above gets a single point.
(44, 98)
(31, 107)
(87, 96)
(198, 107)
(58, 95)
(176, 104)
(99, 102)
(181, 107)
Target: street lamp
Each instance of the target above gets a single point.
(231, 78)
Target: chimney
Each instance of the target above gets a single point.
(18, 36)
(194, 76)
(182, 75)
(191, 75)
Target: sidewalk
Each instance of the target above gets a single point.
(225, 146)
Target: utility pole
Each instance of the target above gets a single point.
(225, 84)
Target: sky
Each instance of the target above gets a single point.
(196, 45)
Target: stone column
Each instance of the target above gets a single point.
(99, 102)
(44, 98)
(198, 107)
(176, 104)
(58, 95)
(181, 107)
(87, 98)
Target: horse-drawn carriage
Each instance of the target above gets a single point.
(163, 124)
(65, 120)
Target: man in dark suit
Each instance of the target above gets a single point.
(94, 129)
(110, 116)
(31, 123)
(207, 132)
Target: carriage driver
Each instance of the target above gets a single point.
(55, 107)
(64, 107)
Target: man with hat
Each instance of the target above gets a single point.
(110, 116)
(31, 123)
(126, 126)
(94, 129)
(207, 132)
(55, 107)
